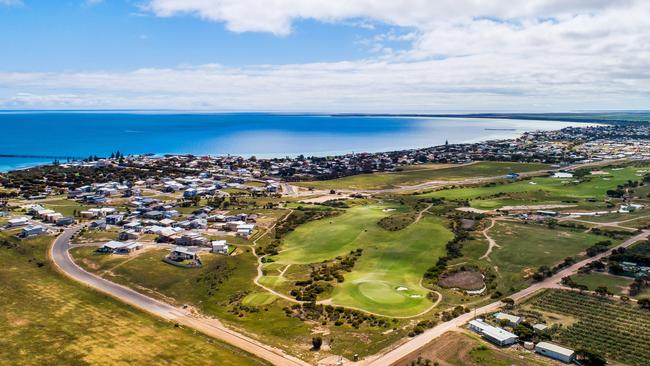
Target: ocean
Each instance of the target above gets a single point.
(80, 134)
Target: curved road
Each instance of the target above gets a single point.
(209, 326)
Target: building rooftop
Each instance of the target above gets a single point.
(509, 317)
(496, 333)
(555, 348)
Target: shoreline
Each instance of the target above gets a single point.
(501, 134)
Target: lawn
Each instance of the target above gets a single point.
(47, 319)
(424, 173)
(540, 190)
(526, 247)
(386, 279)
(616, 284)
(66, 207)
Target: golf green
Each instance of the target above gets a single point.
(386, 278)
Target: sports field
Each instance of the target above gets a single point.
(424, 173)
(541, 190)
(386, 279)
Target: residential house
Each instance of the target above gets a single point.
(20, 221)
(128, 235)
(114, 219)
(33, 230)
(65, 221)
(182, 254)
(118, 247)
(133, 225)
(98, 224)
(191, 239)
(220, 247)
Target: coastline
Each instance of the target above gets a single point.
(426, 128)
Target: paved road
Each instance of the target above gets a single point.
(209, 326)
(412, 346)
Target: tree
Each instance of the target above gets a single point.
(590, 358)
(625, 299)
(644, 304)
(602, 291)
(509, 302)
(524, 331)
(316, 343)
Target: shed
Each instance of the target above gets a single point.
(496, 335)
(554, 351)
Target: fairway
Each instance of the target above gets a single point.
(524, 248)
(540, 190)
(425, 173)
(386, 278)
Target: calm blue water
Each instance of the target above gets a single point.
(263, 135)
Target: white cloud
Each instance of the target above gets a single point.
(463, 54)
(473, 82)
(276, 16)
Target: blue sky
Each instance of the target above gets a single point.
(118, 35)
(325, 55)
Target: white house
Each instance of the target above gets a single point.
(220, 246)
(20, 221)
(554, 351)
(119, 247)
(245, 229)
(498, 336)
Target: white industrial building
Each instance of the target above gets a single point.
(554, 351)
(498, 336)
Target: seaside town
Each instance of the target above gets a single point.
(184, 200)
(198, 208)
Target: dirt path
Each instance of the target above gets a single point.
(616, 224)
(421, 213)
(260, 264)
(492, 243)
(329, 301)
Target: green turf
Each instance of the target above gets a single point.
(259, 299)
(47, 319)
(66, 207)
(530, 246)
(540, 190)
(391, 260)
(421, 174)
(616, 284)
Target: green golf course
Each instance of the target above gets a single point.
(424, 173)
(386, 279)
(542, 190)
